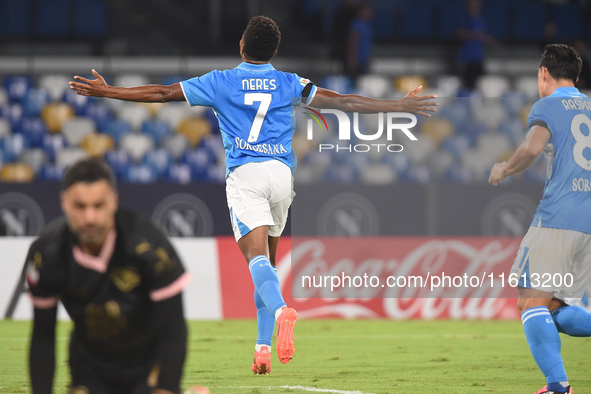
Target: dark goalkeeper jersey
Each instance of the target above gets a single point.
(109, 297)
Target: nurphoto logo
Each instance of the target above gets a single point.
(395, 122)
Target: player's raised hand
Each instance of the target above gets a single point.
(90, 87)
(497, 173)
(417, 104)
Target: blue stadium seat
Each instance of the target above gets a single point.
(514, 129)
(17, 86)
(458, 111)
(157, 129)
(458, 173)
(339, 83)
(318, 159)
(199, 160)
(119, 160)
(52, 18)
(400, 162)
(100, 112)
(139, 173)
(214, 144)
(90, 18)
(52, 144)
(341, 173)
(513, 102)
(472, 129)
(12, 146)
(457, 145)
(216, 174)
(116, 129)
(418, 174)
(209, 114)
(77, 102)
(179, 173)
(176, 144)
(160, 159)
(172, 79)
(34, 130)
(15, 18)
(35, 158)
(34, 101)
(358, 161)
(51, 172)
(13, 113)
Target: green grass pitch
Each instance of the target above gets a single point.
(340, 356)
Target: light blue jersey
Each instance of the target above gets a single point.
(253, 104)
(566, 203)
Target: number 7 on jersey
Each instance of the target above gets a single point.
(257, 124)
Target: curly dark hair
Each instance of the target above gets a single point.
(562, 62)
(261, 38)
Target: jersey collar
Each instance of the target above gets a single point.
(566, 91)
(256, 67)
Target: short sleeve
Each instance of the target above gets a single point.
(305, 90)
(201, 90)
(537, 117)
(44, 277)
(166, 275)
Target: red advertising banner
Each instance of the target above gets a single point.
(382, 277)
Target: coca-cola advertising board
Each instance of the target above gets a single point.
(382, 277)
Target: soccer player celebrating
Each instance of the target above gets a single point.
(120, 281)
(553, 264)
(253, 103)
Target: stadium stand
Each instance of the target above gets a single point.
(44, 126)
(176, 143)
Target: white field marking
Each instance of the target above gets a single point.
(302, 388)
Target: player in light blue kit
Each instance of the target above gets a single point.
(253, 104)
(553, 265)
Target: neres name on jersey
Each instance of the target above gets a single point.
(259, 84)
(577, 105)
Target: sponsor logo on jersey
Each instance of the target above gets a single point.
(126, 279)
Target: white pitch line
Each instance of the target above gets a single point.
(302, 388)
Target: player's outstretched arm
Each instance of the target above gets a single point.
(42, 351)
(148, 94)
(524, 156)
(420, 105)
